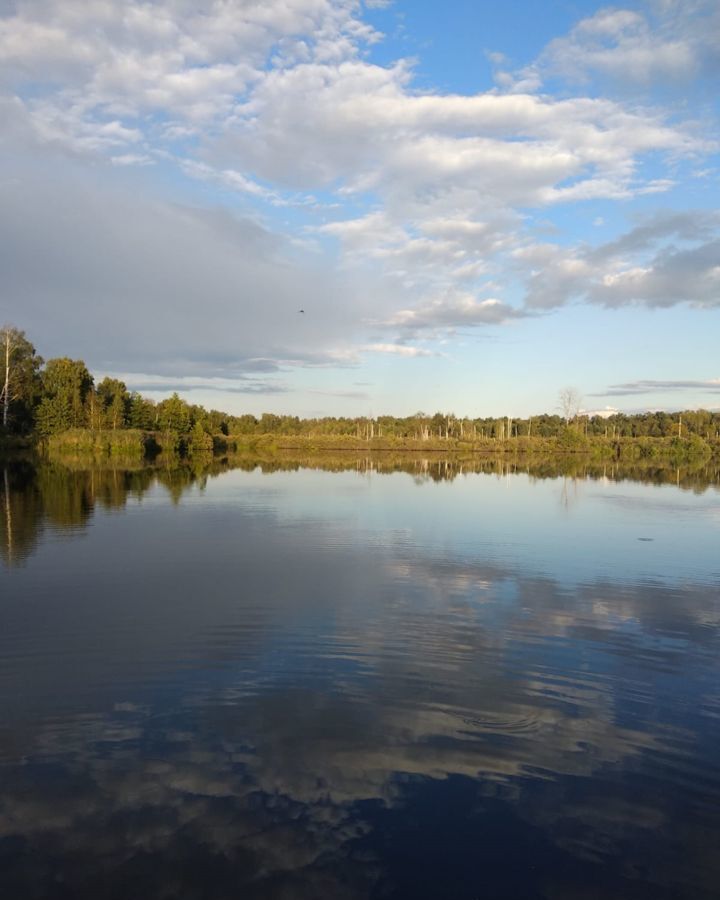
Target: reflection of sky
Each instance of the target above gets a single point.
(276, 681)
(564, 528)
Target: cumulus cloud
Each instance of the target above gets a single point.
(362, 123)
(179, 58)
(241, 384)
(276, 110)
(452, 313)
(398, 350)
(669, 259)
(670, 42)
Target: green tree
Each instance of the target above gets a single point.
(217, 422)
(270, 423)
(115, 401)
(66, 385)
(200, 440)
(245, 424)
(174, 415)
(142, 412)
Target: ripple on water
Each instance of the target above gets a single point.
(253, 680)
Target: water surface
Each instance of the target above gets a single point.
(283, 681)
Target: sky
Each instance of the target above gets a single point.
(328, 207)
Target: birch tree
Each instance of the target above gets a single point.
(20, 382)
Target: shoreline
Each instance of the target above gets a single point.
(148, 445)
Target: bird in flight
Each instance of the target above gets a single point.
(301, 311)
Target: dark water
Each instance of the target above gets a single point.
(427, 683)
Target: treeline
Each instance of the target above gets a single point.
(60, 398)
(448, 427)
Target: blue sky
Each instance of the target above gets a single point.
(475, 204)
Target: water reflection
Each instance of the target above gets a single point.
(41, 494)
(279, 689)
(38, 493)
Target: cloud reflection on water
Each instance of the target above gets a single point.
(245, 728)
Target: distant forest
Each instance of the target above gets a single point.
(42, 398)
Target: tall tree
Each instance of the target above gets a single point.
(66, 385)
(174, 415)
(115, 401)
(141, 412)
(570, 400)
(20, 380)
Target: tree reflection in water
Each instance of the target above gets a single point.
(63, 495)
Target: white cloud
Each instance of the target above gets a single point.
(649, 386)
(132, 159)
(671, 43)
(399, 350)
(457, 310)
(254, 75)
(153, 384)
(276, 105)
(669, 259)
(362, 126)
(227, 177)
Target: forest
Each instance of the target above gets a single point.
(58, 402)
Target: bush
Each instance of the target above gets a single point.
(689, 449)
(573, 441)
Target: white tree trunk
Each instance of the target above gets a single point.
(6, 385)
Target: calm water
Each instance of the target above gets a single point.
(431, 682)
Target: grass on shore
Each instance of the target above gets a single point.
(137, 444)
(674, 449)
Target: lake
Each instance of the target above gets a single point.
(359, 678)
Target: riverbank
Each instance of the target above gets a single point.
(139, 444)
(675, 449)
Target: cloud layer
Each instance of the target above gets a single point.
(224, 166)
